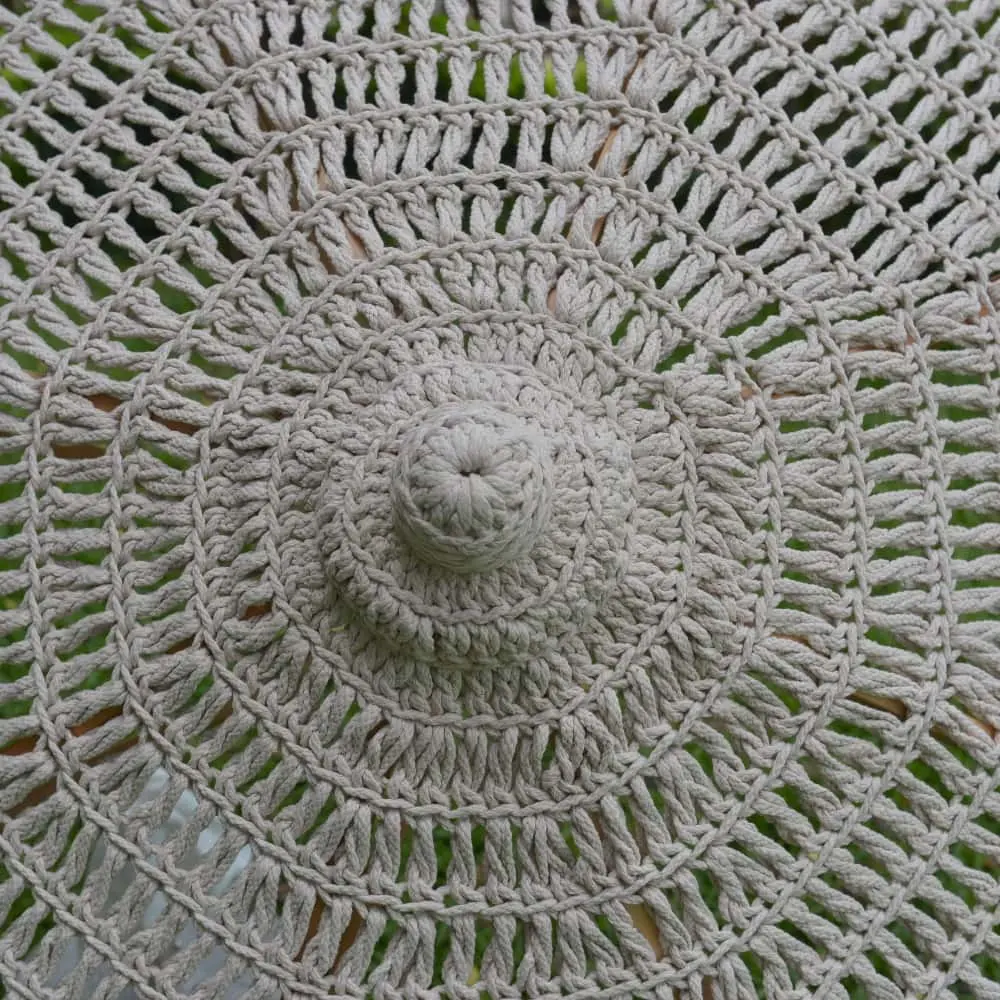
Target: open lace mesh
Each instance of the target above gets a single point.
(713, 283)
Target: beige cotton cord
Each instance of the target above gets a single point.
(499, 500)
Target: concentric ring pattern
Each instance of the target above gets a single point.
(499, 500)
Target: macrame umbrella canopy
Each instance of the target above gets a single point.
(499, 500)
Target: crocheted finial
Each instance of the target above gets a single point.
(473, 515)
(472, 488)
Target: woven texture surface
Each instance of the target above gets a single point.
(499, 500)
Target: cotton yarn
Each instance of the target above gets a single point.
(482, 517)
(499, 500)
(471, 488)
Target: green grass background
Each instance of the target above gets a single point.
(10, 489)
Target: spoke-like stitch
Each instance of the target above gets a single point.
(544, 530)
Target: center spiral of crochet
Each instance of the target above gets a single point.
(474, 514)
(472, 488)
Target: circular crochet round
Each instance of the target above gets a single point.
(471, 488)
(474, 514)
(499, 500)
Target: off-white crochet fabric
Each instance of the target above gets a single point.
(499, 500)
